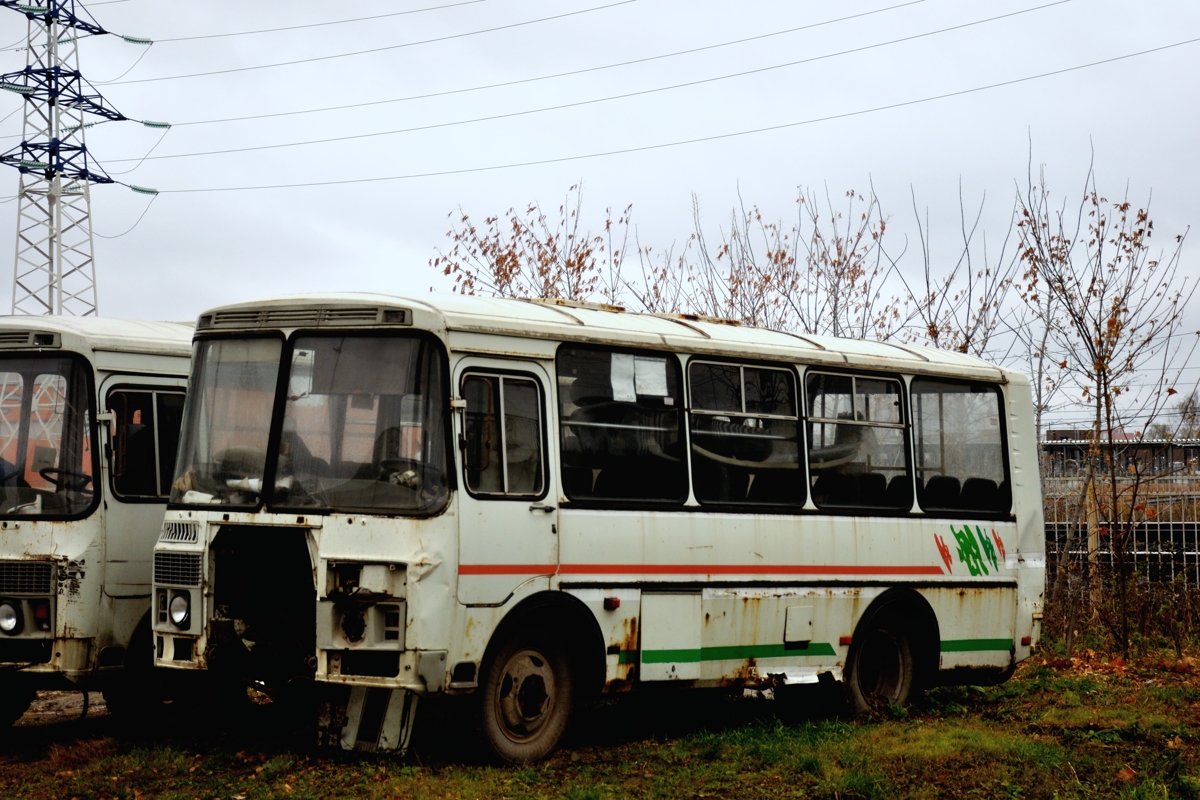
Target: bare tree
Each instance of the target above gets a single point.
(825, 274)
(1122, 306)
(962, 307)
(530, 254)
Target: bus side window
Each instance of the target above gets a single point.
(959, 442)
(620, 425)
(745, 435)
(145, 438)
(502, 435)
(857, 455)
(168, 412)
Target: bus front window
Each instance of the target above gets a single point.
(45, 437)
(364, 426)
(223, 451)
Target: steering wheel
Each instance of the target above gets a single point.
(400, 472)
(66, 479)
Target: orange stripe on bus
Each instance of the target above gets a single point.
(507, 569)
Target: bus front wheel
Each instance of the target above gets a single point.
(526, 699)
(880, 670)
(15, 700)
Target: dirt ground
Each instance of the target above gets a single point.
(52, 708)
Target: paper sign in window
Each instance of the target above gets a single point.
(650, 376)
(621, 375)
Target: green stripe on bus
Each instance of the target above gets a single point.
(975, 645)
(730, 653)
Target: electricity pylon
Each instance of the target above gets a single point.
(55, 270)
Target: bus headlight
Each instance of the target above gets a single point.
(10, 617)
(181, 609)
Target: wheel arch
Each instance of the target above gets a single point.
(572, 624)
(913, 613)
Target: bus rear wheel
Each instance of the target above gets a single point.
(526, 698)
(880, 670)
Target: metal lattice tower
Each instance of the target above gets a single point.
(55, 268)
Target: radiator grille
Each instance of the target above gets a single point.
(177, 569)
(179, 532)
(25, 577)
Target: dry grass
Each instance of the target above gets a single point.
(1089, 727)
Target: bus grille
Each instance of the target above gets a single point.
(179, 532)
(25, 577)
(177, 569)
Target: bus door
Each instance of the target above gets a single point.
(508, 520)
(140, 438)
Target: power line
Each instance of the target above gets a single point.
(134, 225)
(697, 140)
(379, 49)
(609, 98)
(319, 24)
(553, 75)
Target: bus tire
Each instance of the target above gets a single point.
(880, 668)
(527, 695)
(15, 700)
(132, 694)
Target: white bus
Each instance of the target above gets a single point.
(90, 411)
(535, 501)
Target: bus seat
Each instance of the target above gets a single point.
(717, 483)
(577, 482)
(639, 479)
(899, 493)
(980, 494)
(872, 486)
(775, 487)
(942, 491)
(1004, 497)
(835, 489)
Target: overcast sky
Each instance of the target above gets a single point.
(193, 250)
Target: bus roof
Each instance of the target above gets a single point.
(589, 322)
(98, 333)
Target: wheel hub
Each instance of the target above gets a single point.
(526, 697)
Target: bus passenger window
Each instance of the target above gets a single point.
(502, 437)
(620, 425)
(745, 435)
(959, 442)
(168, 414)
(857, 456)
(145, 437)
(134, 467)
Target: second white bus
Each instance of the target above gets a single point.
(534, 501)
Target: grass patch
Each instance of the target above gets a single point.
(1065, 729)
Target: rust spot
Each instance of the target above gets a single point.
(618, 685)
(70, 576)
(629, 638)
(746, 675)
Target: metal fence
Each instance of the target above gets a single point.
(1164, 538)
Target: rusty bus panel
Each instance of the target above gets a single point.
(617, 612)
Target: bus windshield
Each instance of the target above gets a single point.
(223, 450)
(45, 437)
(362, 429)
(363, 426)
